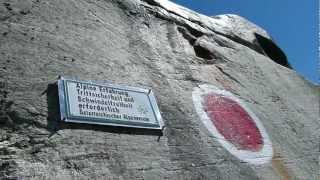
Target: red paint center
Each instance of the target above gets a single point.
(233, 122)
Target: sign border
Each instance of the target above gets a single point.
(66, 116)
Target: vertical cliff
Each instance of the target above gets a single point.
(150, 43)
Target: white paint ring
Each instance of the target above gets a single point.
(262, 156)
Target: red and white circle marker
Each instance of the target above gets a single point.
(233, 124)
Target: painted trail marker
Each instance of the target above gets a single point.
(233, 124)
(108, 104)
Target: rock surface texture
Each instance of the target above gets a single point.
(152, 43)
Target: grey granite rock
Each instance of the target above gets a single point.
(143, 43)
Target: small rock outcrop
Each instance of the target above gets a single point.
(153, 43)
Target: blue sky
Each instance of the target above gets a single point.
(292, 24)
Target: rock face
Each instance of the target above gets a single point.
(145, 43)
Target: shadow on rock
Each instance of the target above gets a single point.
(53, 108)
(111, 129)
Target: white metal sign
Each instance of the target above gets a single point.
(108, 104)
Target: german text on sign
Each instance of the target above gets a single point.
(108, 104)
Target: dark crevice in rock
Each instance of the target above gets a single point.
(229, 76)
(194, 32)
(187, 35)
(203, 53)
(208, 53)
(153, 3)
(209, 56)
(183, 26)
(223, 43)
(234, 38)
(272, 51)
(128, 6)
(192, 35)
(239, 40)
(190, 78)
